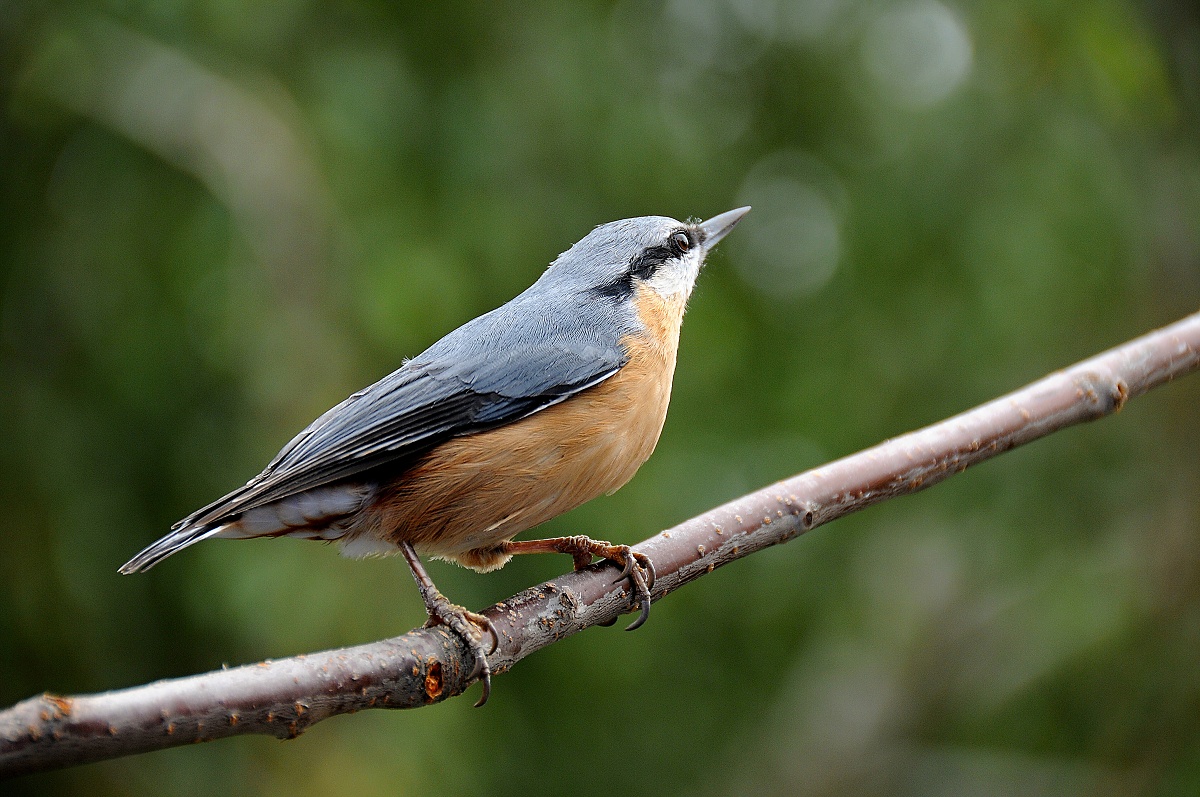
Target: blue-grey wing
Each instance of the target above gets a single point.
(484, 374)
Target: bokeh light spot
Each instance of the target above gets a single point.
(792, 242)
(917, 54)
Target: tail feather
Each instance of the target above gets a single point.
(317, 514)
(172, 543)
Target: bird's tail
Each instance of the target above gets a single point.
(176, 541)
(315, 514)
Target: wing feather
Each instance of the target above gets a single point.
(562, 335)
(454, 388)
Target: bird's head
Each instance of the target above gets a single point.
(663, 254)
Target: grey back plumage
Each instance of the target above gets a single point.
(560, 336)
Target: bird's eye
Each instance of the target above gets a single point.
(681, 241)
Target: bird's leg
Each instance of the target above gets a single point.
(469, 626)
(582, 549)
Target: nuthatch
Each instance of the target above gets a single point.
(515, 417)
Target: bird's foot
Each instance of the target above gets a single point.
(469, 626)
(472, 629)
(636, 567)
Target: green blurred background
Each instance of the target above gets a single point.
(219, 218)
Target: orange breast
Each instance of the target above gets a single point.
(473, 492)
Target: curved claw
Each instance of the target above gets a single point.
(630, 563)
(490, 627)
(643, 617)
(632, 559)
(648, 565)
(482, 668)
(643, 594)
(486, 680)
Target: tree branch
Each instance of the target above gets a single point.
(286, 696)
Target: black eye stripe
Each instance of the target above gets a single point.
(647, 262)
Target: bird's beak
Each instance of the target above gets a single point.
(718, 227)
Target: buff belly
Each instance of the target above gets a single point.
(464, 498)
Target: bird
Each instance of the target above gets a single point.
(528, 411)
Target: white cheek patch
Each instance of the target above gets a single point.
(677, 276)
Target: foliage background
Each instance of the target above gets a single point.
(219, 218)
